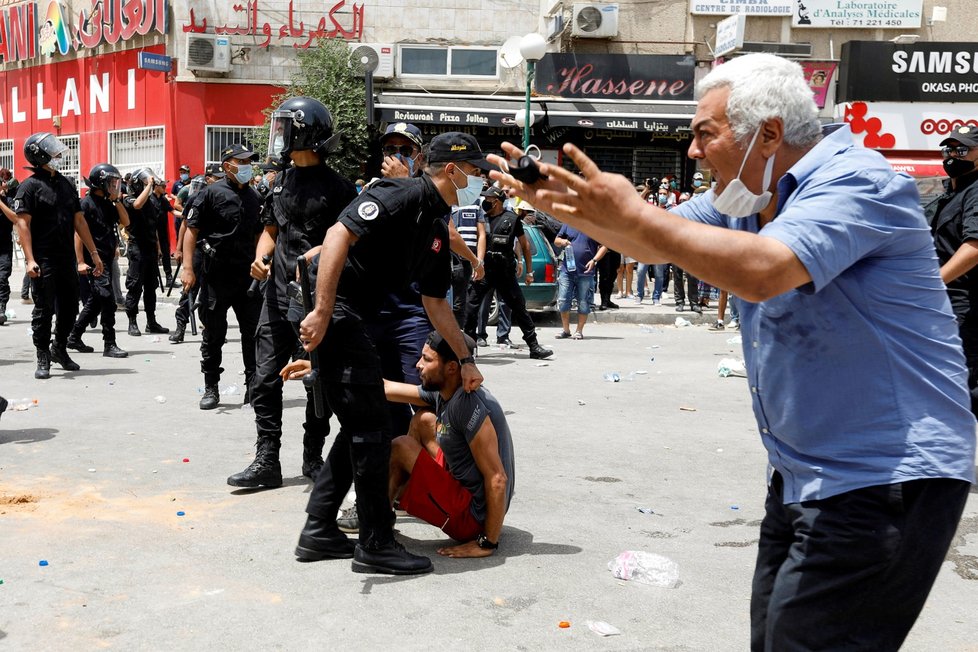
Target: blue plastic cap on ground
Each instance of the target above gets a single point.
(43, 562)
(181, 513)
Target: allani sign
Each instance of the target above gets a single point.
(876, 14)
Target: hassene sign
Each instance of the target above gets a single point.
(616, 76)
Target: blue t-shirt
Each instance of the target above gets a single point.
(584, 246)
(857, 378)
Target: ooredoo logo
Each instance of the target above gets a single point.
(944, 126)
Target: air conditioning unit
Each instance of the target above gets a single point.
(208, 53)
(378, 57)
(594, 21)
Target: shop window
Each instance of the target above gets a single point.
(217, 138)
(71, 167)
(448, 62)
(7, 154)
(131, 149)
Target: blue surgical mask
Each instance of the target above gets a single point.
(697, 183)
(244, 174)
(409, 162)
(184, 176)
(468, 194)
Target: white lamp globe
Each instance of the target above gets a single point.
(521, 118)
(533, 47)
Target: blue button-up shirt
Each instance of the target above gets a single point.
(857, 378)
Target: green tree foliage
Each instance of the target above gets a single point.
(325, 73)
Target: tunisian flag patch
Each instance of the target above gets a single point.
(436, 245)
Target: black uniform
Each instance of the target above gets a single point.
(953, 219)
(185, 304)
(226, 218)
(500, 276)
(141, 278)
(303, 203)
(403, 237)
(52, 202)
(6, 255)
(164, 208)
(102, 217)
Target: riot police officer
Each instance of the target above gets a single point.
(224, 221)
(143, 248)
(505, 228)
(304, 200)
(400, 235)
(48, 214)
(103, 211)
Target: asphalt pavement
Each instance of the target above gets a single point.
(117, 530)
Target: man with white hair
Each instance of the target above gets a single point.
(853, 358)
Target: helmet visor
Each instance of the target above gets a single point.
(280, 133)
(113, 185)
(52, 146)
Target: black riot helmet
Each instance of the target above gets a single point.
(301, 123)
(41, 147)
(138, 180)
(104, 177)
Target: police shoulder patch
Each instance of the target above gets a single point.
(18, 205)
(368, 210)
(277, 190)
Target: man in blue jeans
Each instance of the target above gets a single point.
(576, 277)
(854, 363)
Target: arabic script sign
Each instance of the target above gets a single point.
(249, 23)
(26, 31)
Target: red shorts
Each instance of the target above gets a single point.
(433, 495)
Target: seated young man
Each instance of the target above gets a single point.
(455, 469)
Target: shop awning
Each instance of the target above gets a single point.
(471, 110)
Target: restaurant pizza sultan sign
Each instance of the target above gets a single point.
(48, 28)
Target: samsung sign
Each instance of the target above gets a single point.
(922, 72)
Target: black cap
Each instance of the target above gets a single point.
(409, 131)
(444, 349)
(495, 193)
(239, 151)
(965, 134)
(214, 170)
(271, 166)
(456, 146)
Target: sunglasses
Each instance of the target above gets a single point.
(406, 151)
(960, 151)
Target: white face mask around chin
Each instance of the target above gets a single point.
(737, 200)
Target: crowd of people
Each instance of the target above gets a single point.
(858, 363)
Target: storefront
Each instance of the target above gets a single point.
(630, 113)
(904, 99)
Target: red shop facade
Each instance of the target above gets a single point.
(107, 108)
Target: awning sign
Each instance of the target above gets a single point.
(616, 76)
(749, 7)
(919, 72)
(904, 126)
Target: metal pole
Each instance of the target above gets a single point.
(526, 115)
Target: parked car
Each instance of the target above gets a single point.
(542, 294)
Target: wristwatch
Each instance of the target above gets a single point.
(483, 541)
(466, 360)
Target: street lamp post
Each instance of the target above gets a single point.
(532, 47)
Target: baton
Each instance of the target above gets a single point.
(193, 317)
(176, 275)
(255, 283)
(310, 380)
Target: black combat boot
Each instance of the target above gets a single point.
(3, 314)
(390, 559)
(43, 364)
(265, 471)
(75, 343)
(312, 454)
(211, 398)
(153, 327)
(59, 354)
(113, 351)
(176, 337)
(133, 327)
(321, 539)
(537, 352)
